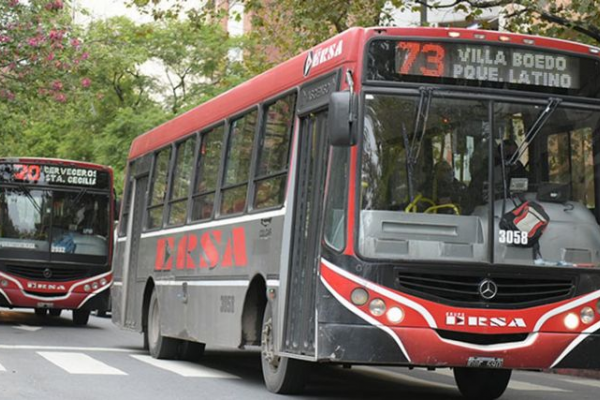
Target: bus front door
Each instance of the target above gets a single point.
(299, 326)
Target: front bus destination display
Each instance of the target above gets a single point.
(55, 236)
(417, 197)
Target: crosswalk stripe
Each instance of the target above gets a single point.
(2, 369)
(79, 363)
(400, 377)
(183, 368)
(585, 382)
(513, 384)
(518, 385)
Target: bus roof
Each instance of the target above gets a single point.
(53, 161)
(291, 73)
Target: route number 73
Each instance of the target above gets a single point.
(433, 54)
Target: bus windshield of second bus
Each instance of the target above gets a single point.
(442, 170)
(56, 221)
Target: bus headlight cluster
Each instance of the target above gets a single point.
(95, 285)
(395, 315)
(587, 315)
(377, 307)
(359, 297)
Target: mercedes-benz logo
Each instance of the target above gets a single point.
(47, 273)
(488, 289)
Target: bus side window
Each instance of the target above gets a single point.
(158, 188)
(273, 159)
(207, 173)
(180, 184)
(237, 164)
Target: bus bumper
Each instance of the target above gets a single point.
(91, 293)
(364, 344)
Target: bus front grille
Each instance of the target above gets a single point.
(51, 273)
(465, 289)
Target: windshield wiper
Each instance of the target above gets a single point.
(546, 113)
(31, 199)
(420, 127)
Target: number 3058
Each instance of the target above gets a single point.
(512, 237)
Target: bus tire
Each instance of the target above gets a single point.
(41, 312)
(55, 312)
(81, 317)
(159, 346)
(482, 384)
(282, 375)
(191, 351)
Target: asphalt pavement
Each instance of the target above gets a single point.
(50, 358)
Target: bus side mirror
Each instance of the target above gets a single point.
(341, 119)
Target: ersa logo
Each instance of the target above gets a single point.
(207, 250)
(460, 319)
(321, 55)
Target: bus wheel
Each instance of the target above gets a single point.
(282, 375)
(81, 317)
(159, 346)
(55, 312)
(190, 351)
(41, 312)
(481, 384)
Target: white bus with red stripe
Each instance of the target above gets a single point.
(418, 197)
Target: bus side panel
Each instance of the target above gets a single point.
(202, 276)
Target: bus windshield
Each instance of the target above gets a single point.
(426, 192)
(62, 222)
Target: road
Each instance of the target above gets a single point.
(49, 358)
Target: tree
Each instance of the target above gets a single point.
(39, 51)
(290, 26)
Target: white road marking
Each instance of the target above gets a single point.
(585, 382)
(79, 363)
(2, 369)
(525, 386)
(65, 348)
(28, 328)
(186, 369)
(399, 376)
(513, 384)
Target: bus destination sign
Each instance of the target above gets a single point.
(52, 175)
(488, 63)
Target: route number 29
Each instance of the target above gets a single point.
(512, 237)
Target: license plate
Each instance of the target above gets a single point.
(45, 305)
(485, 362)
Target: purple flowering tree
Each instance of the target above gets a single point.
(41, 54)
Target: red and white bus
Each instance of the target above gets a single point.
(56, 230)
(417, 197)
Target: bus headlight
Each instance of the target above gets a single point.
(571, 321)
(95, 285)
(377, 307)
(587, 315)
(598, 306)
(4, 283)
(87, 288)
(103, 281)
(359, 297)
(395, 315)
